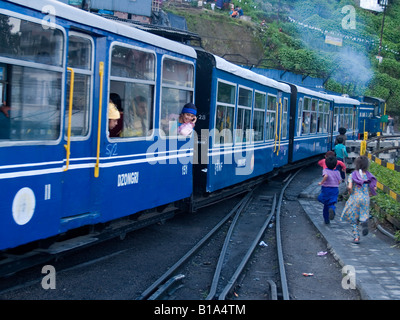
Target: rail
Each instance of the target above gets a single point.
(234, 254)
(163, 279)
(282, 271)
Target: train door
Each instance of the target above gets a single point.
(280, 135)
(78, 133)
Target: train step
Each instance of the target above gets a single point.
(70, 244)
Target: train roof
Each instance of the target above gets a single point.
(310, 92)
(227, 66)
(80, 16)
(344, 100)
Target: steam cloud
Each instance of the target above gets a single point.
(351, 63)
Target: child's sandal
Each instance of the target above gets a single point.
(356, 240)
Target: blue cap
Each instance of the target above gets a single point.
(189, 108)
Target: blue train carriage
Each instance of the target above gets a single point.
(60, 167)
(311, 129)
(345, 115)
(369, 118)
(243, 126)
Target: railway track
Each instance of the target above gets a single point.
(220, 259)
(244, 226)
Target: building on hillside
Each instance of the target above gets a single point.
(136, 10)
(373, 5)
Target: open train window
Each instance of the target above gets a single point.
(177, 90)
(132, 83)
(32, 60)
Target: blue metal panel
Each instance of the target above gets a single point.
(308, 145)
(39, 199)
(232, 164)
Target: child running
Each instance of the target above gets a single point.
(362, 183)
(329, 188)
(341, 153)
(340, 164)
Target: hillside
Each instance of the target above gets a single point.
(237, 40)
(293, 35)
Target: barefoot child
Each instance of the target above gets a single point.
(329, 188)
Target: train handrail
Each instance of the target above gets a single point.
(71, 100)
(97, 165)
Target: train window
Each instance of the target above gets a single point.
(245, 97)
(307, 103)
(326, 117)
(177, 90)
(336, 119)
(300, 117)
(243, 125)
(177, 73)
(347, 118)
(242, 132)
(80, 59)
(306, 119)
(226, 93)
(32, 59)
(132, 63)
(132, 91)
(320, 117)
(29, 41)
(226, 97)
(258, 117)
(355, 118)
(79, 52)
(313, 115)
(35, 102)
(270, 118)
(135, 103)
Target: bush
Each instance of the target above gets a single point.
(390, 179)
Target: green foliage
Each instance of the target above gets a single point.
(380, 80)
(391, 179)
(391, 67)
(301, 48)
(302, 61)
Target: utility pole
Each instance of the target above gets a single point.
(383, 3)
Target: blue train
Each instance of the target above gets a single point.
(61, 165)
(370, 113)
